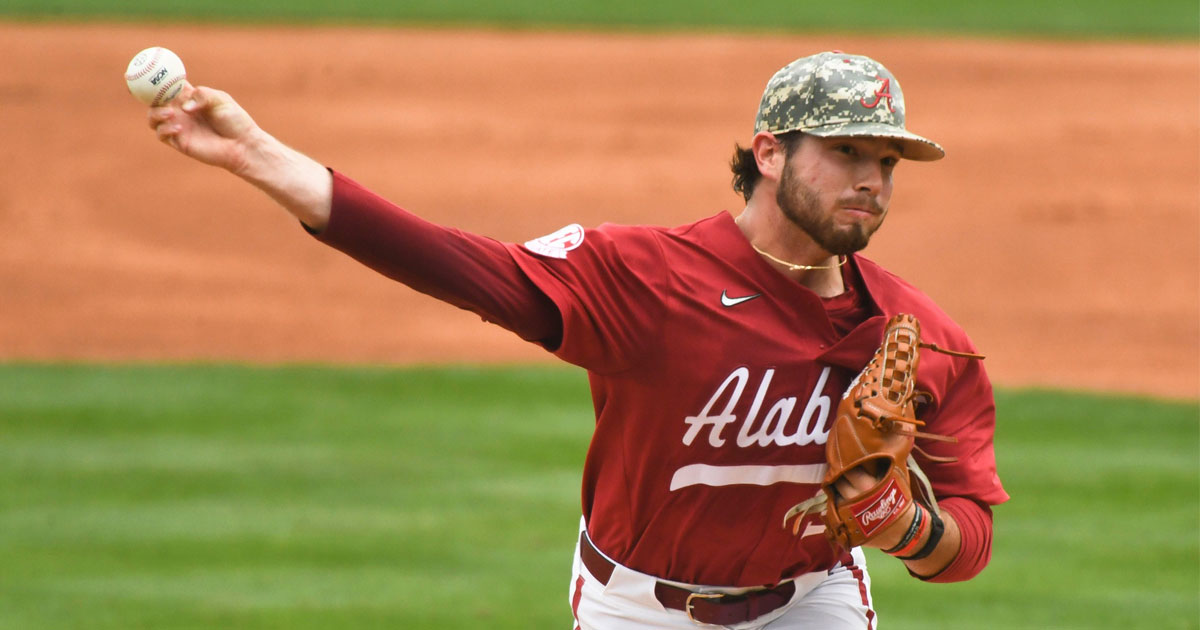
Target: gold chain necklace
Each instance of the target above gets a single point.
(794, 267)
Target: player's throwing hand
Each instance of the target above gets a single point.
(207, 125)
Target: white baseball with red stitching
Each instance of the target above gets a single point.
(155, 75)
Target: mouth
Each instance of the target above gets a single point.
(862, 212)
(862, 208)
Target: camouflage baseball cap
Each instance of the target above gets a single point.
(832, 94)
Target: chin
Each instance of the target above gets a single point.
(847, 242)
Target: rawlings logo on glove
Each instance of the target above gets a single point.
(875, 430)
(878, 510)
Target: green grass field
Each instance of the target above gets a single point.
(305, 497)
(1178, 19)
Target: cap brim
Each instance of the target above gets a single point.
(912, 146)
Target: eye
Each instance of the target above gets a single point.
(846, 149)
(890, 161)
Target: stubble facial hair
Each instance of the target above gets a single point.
(802, 206)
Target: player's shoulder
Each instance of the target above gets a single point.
(574, 240)
(635, 245)
(719, 224)
(657, 237)
(692, 230)
(894, 294)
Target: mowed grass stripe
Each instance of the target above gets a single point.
(1057, 18)
(311, 497)
(200, 497)
(1101, 531)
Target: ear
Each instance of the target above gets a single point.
(769, 154)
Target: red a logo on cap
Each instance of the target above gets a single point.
(880, 94)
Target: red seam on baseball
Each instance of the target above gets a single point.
(146, 68)
(165, 88)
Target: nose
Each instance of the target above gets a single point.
(869, 177)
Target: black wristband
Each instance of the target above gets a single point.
(913, 528)
(935, 537)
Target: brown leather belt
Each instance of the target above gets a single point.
(717, 609)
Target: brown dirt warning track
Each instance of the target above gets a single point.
(1062, 230)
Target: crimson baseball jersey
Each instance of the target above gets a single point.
(714, 380)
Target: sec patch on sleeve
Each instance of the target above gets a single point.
(557, 244)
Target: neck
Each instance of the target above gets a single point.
(789, 249)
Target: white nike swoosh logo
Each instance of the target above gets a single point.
(728, 301)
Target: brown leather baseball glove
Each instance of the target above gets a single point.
(875, 429)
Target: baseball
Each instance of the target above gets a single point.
(155, 76)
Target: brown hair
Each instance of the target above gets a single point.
(745, 168)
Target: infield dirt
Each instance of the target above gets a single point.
(1062, 230)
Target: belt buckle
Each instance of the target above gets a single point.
(687, 604)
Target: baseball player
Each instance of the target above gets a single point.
(717, 354)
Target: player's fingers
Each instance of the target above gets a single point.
(167, 124)
(855, 482)
(845, 489)
(197, 100)
(167, 131)
(200, 98)
(860, 478)
(222, 113)
(166, 110)
(185, 92)
(155, 116)
(859, 475)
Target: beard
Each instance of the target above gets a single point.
(802, 206)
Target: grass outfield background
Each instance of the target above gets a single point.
(308, 497)
(1059, 18)
(321, 497)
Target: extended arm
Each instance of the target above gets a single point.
(466, 270)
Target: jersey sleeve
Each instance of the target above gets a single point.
(966, 487)
(609, 284)
(975, 530)
(965, 411)
(471, 272)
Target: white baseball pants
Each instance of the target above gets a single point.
(839, 599)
